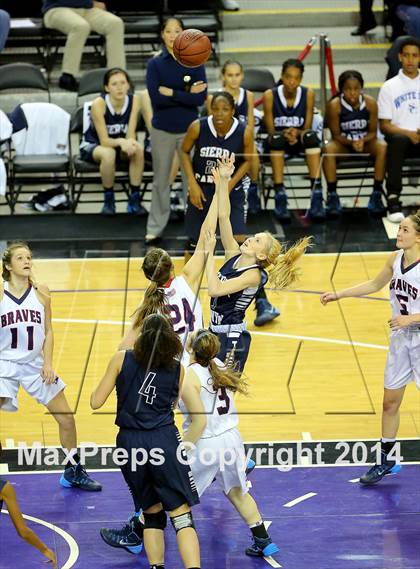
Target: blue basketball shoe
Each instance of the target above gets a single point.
(378, 471)
(262, 547)
(130, 537)
(77, 477)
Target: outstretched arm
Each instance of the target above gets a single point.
(362, 289)
(107, 384)
(192, 400)
(9, 496)
(221, 178)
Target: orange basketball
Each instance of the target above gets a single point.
(192, 48)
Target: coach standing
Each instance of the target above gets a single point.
(175, 92)
(76, 19)
(399, 118)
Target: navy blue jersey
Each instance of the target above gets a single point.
(116, 123)
(241, 107)
(354, 122)
(145, 402)
(3, 483)
(287, 117)
(230, 309)
(210, 147)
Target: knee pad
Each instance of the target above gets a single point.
(155, 521)
(310, 140)
(183, 521)
(190, 246)
(277, 141)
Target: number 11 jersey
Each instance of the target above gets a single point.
(405, 287)
(22, 326)
(219, 406)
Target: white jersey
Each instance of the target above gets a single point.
(405, 287)
(399, 101)
(22, 326)
(185, 310)
(219, 405)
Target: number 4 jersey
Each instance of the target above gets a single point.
(405, 287)
(22, 326)
(219, 405)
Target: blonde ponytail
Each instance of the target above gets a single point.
(415, 218)
(282, 269)
(154, 302)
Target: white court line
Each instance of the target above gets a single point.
(271, 334)
(271, 561)
(71, 542)
(300, 499)
(9, 443)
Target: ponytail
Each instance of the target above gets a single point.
(283, 271)
(415, 218)
(154, 302)
(205, 346)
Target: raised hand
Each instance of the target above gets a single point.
(226, 166)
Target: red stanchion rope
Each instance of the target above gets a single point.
(330, 65)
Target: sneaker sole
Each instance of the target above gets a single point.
(394, 470)
(134, 549)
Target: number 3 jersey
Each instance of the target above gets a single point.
(22, 326)
(219, 405)
(405, 287)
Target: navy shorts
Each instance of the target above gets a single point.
(194, 217)
(236, 345)
(86, 154)
(170, 483)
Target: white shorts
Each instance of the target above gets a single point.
(226, 448)
(403, 362)
(13, 375)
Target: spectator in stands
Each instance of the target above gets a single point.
(399, 116)
(76, 19)
(367, 18)
(4, 27)
(288, 117)
(111, 137)
(176, 93)
(409, 12)
(352, 118)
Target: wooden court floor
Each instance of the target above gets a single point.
(315, 372)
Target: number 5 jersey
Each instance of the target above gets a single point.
(405, 288)
(22, 326)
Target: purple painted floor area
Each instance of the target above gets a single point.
(345, 526)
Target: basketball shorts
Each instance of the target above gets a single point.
(28, 375)
(403, 361)
(168, 481)
(234, 345)
(86, 154)
(194, 217)
(221, 457)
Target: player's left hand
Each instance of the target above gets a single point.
(209, 242)
(400, 322)
(166, 91)
(48, 374)
(226, 166)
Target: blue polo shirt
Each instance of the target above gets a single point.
(173, 114)
(48, 4)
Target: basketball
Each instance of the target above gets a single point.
(192, 48)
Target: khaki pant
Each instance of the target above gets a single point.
(77, 23)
